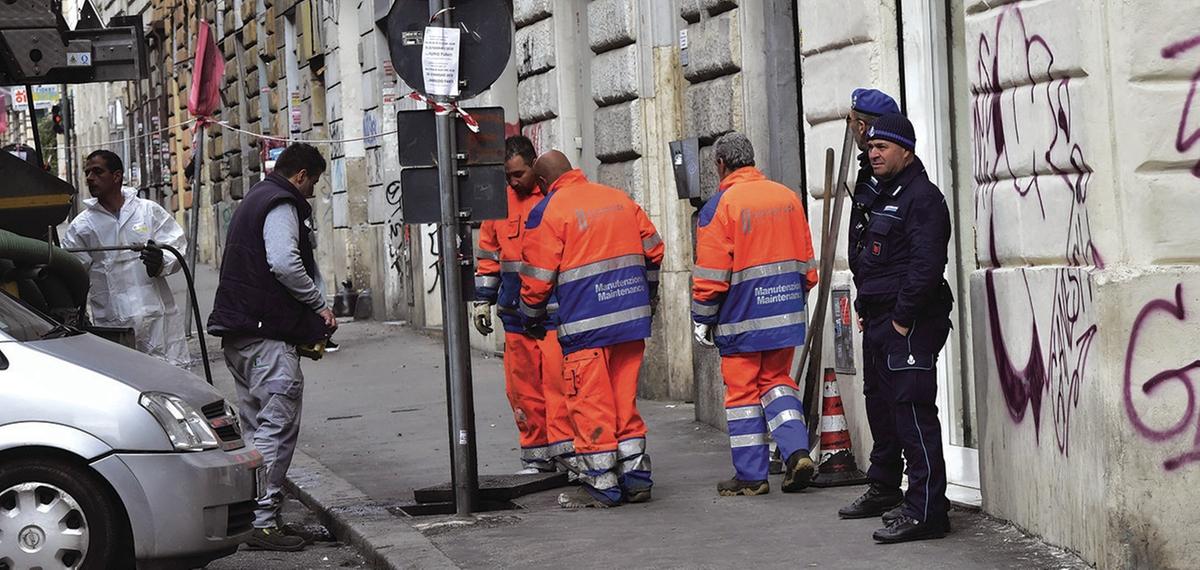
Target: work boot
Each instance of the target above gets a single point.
(581, 498)
(799, 472)
(735, 487)
(638, 496)
(894, 514)
(876, 501)
(274, 539)
(906, 529)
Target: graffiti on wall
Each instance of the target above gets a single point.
(1027, 151)
(1167, 401)
(1187, 136)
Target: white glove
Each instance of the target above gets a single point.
(703, 334)
(483, 317)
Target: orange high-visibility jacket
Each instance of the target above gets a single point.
(497, 277)
(754, 265)
(597, 251)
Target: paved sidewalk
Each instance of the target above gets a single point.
(375, 415)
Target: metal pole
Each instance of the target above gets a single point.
(194, 219)
(69, 154)
(462, 401)
(37, 134)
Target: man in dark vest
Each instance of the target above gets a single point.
(269, 301)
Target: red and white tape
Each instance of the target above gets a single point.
(446, 109)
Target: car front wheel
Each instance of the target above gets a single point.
(55, 515)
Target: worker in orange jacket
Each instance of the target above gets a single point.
(754, 267)
(597, 251)
(532, 367)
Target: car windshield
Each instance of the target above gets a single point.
(22, 323)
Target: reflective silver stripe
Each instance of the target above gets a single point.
(743, 413)
(631, 447)
(531, 312)
(598, 461)
(606, 480)
(602, 321)
(537, 272)
(488, 254)
(541, 453)
(652, 275)
(749, 440)
(511, 266)
(639, 463)
(706, 273)
(505, 310)
(651, 241)
(599, 267)
(763, 323)
(705, 310)
(767, 270)
(484, 281)
(777, 393)
(784, 417)
(552, 308)
(561, 448)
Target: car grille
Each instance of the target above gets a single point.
(241, 518)
(225, 423)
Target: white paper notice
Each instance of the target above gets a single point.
(439, 61)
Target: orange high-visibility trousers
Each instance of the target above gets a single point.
(534, 382)
(761, 397)
(610, 436)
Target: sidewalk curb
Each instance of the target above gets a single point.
(387, 542)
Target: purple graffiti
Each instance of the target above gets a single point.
(1182, 376)
(1059, 176)
(1185, 141)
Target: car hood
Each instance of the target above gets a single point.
(127, 366)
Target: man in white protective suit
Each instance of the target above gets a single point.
(129, 289)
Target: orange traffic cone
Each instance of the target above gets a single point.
(838, 467)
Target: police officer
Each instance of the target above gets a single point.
(904, 304)
(866, 105)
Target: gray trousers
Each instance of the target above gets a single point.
(270, 393)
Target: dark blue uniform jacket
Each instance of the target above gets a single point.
(899, 257)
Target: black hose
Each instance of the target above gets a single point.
(187, 274)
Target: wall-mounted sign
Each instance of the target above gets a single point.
(843, 331)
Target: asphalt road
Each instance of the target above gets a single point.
(320, 554)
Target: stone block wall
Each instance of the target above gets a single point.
(1083, 303)
(549, 76)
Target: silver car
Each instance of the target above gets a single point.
(110, 458)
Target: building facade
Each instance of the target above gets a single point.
(1062, 133)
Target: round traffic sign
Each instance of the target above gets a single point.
(485, 29)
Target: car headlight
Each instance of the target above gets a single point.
(186, 428)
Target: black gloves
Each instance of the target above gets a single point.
(536, 331)
(152, 258)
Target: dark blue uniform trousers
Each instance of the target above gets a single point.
(900, 385)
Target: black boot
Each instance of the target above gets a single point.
(906, 528)
(894, 514)
(876, 501)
